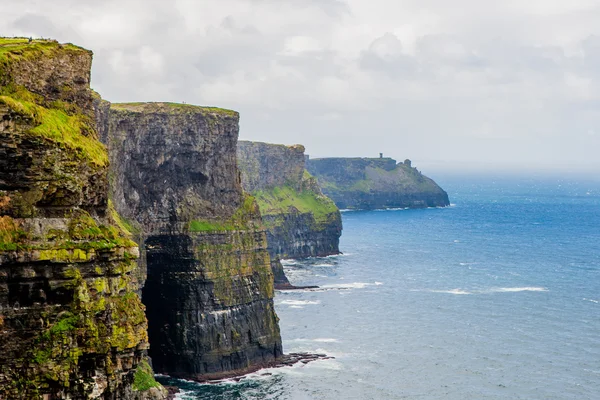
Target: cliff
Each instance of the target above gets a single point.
(301, 222)
(209, 289)
(373, 183)
(71, 322)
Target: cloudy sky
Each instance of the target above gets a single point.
(463, 84)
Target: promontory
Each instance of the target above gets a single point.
(375, 183)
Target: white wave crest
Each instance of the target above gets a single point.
(300, 302)
(518, 289)
(338, 255)
(486, 291)
(325, 340)
(452, 291)
(353, 285)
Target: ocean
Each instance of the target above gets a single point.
(495, 297)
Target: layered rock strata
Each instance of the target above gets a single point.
(301, 222)
(209, 290)
(72, 325)
(375, 183)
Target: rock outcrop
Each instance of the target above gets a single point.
(301, 222)
(209, 290)
(374, 183)
(72, 325)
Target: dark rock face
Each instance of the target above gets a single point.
(297, 235)
(209, 288)
(301, 222)
(374, 183)
(71, 323)
(266, 165)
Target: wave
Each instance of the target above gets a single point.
(518, 289)
(592, 300)
(299, 302)
(353, 285)
(451, 291)
(325, 340)
(183, 394)
(338, 255)
(486, 291)
(337, 286)
(318, 340)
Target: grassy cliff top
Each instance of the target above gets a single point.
(298, 147)
(15, 49)
(354, 159)
(171, 108)
(57, 124)
(282, 200)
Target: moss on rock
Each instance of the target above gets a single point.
(72, 325)
(172, 108)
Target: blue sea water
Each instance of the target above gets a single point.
(496, 297)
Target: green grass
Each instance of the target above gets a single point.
(60, 122)
(125, 225)
(16, 49)
(75, 132)
(11, 41)
(144, 379)
(238, 220)
(208, 226)
(11, 236)
(172, 108)
(282, 199)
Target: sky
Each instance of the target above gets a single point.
(460, 85)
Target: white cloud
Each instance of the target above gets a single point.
(504, 83)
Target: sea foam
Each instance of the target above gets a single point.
(299, 302)
(518, 289)
(353, 285)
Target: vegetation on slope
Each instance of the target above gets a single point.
(239, 220)
(172, 108)
(74, 132)
(144, 378)
(15, 49)
(281, 200)
(57, 121)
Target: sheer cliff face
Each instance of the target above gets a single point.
(209, 287)
(71, 323)
(301, 221)
(372, 183)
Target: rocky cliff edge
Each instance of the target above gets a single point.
(374, 183)
(301, 222)
(71, 322)
(209, 291)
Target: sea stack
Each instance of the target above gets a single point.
(301, 222)
(209, 290)
(72, 325)
(376, 183)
